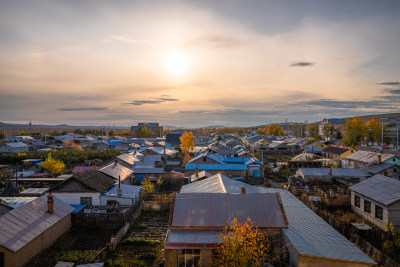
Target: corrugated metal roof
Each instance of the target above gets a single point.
(335, 150)
(375, 168)
(218, 210)
(216, 167)
(338, 172)
(380, 188)
(15, 202)
(23, 224)
(16, 145)
(367, 156)
(309, 233)
(128, 191)
(194, 239)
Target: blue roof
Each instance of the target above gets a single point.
(315, 149)
(77, 208)
(217, 167)
(208, 155)
(113, 142)
(128, 191)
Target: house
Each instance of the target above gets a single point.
(337, 153)
(308, 240)
(13, 148)
(230, 166)
(152, 127)
(197, 219)
(83, 188)
(385, 169)
(361, 158)
(30, 228)
(315, 148)
(377, 200)
(122, 194)
(327, 174)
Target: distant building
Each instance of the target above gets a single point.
(154, 128)
(360, 158)
(13, 148)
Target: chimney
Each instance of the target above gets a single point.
(115, 163)
(197, 171)
(119, 190)
(330, 171)
(243, 191)
(379, 158)
(94, 166)
(50, 203)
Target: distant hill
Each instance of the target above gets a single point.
(60, 126)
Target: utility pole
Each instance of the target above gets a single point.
(397, 137)
(382, 140)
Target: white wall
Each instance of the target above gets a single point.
(122, 201)
(75, 198)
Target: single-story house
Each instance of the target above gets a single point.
(385, 169)
(327, 174)
(337, 153)
(13, 148)
(122, 194)
(32, 227)
(361, 158)
(377, 200)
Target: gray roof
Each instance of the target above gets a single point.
(34, 191)
(375, 168)
(367, 156)
(16, 145)
(196, 238)
(128, 158)
(23, 224)
(95, 180)
(219, 184)
(116, 171)
(128, 191)
(380, 188)
(308, 232)
(345, 172)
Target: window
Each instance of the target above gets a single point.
(86, 201)
(189, 257)
(367, 206)
(204, 159)
(2, 260)
(356, 201)
(378, 212)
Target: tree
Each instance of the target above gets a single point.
(374, 130)
(275, 130)
(147, 187)
(186, 158)
(187, 142)
(142, 132)
(355, 131)
(328, 130)
(52, 165)
(74, 144)
(242, 244)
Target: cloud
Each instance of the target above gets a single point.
(82, 109)
(158, 100)
(214, 41)
(301, 64)
(349, 104)
(392, 91)
(390, 83)
(128, 40)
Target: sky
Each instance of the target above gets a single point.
(197, 63)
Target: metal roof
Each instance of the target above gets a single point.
(16, 145)
(21, 225)
(380, 188)
(128, 191)
(15, 202)
(215, 210)
(95, 180)
(335, 150)
(375, 168)
(78, 169)
(34, 191)
(367, 156)
(308, 232)
(217, 167)
(117, 170)
(194, 239)
(336, 172)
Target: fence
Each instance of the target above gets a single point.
(363, 244)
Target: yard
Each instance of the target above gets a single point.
(143, 245)
(77, 245)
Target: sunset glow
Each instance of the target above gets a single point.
(177, 64)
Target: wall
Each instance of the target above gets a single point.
(74, 198)
(122, 201)
(171, 258)
(307, 261)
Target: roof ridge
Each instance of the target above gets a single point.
(221, 182)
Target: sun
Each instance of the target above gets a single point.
(177, 64)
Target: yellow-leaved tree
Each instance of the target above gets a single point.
(147, 187)
(242, 244)
(355, 131)
(274, 129)
(187, 142)
(374, 130)
(53, 166)
(186, 158)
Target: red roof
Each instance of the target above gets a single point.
(79, 169)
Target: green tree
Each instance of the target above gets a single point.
(242, 244)
(355, 131)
